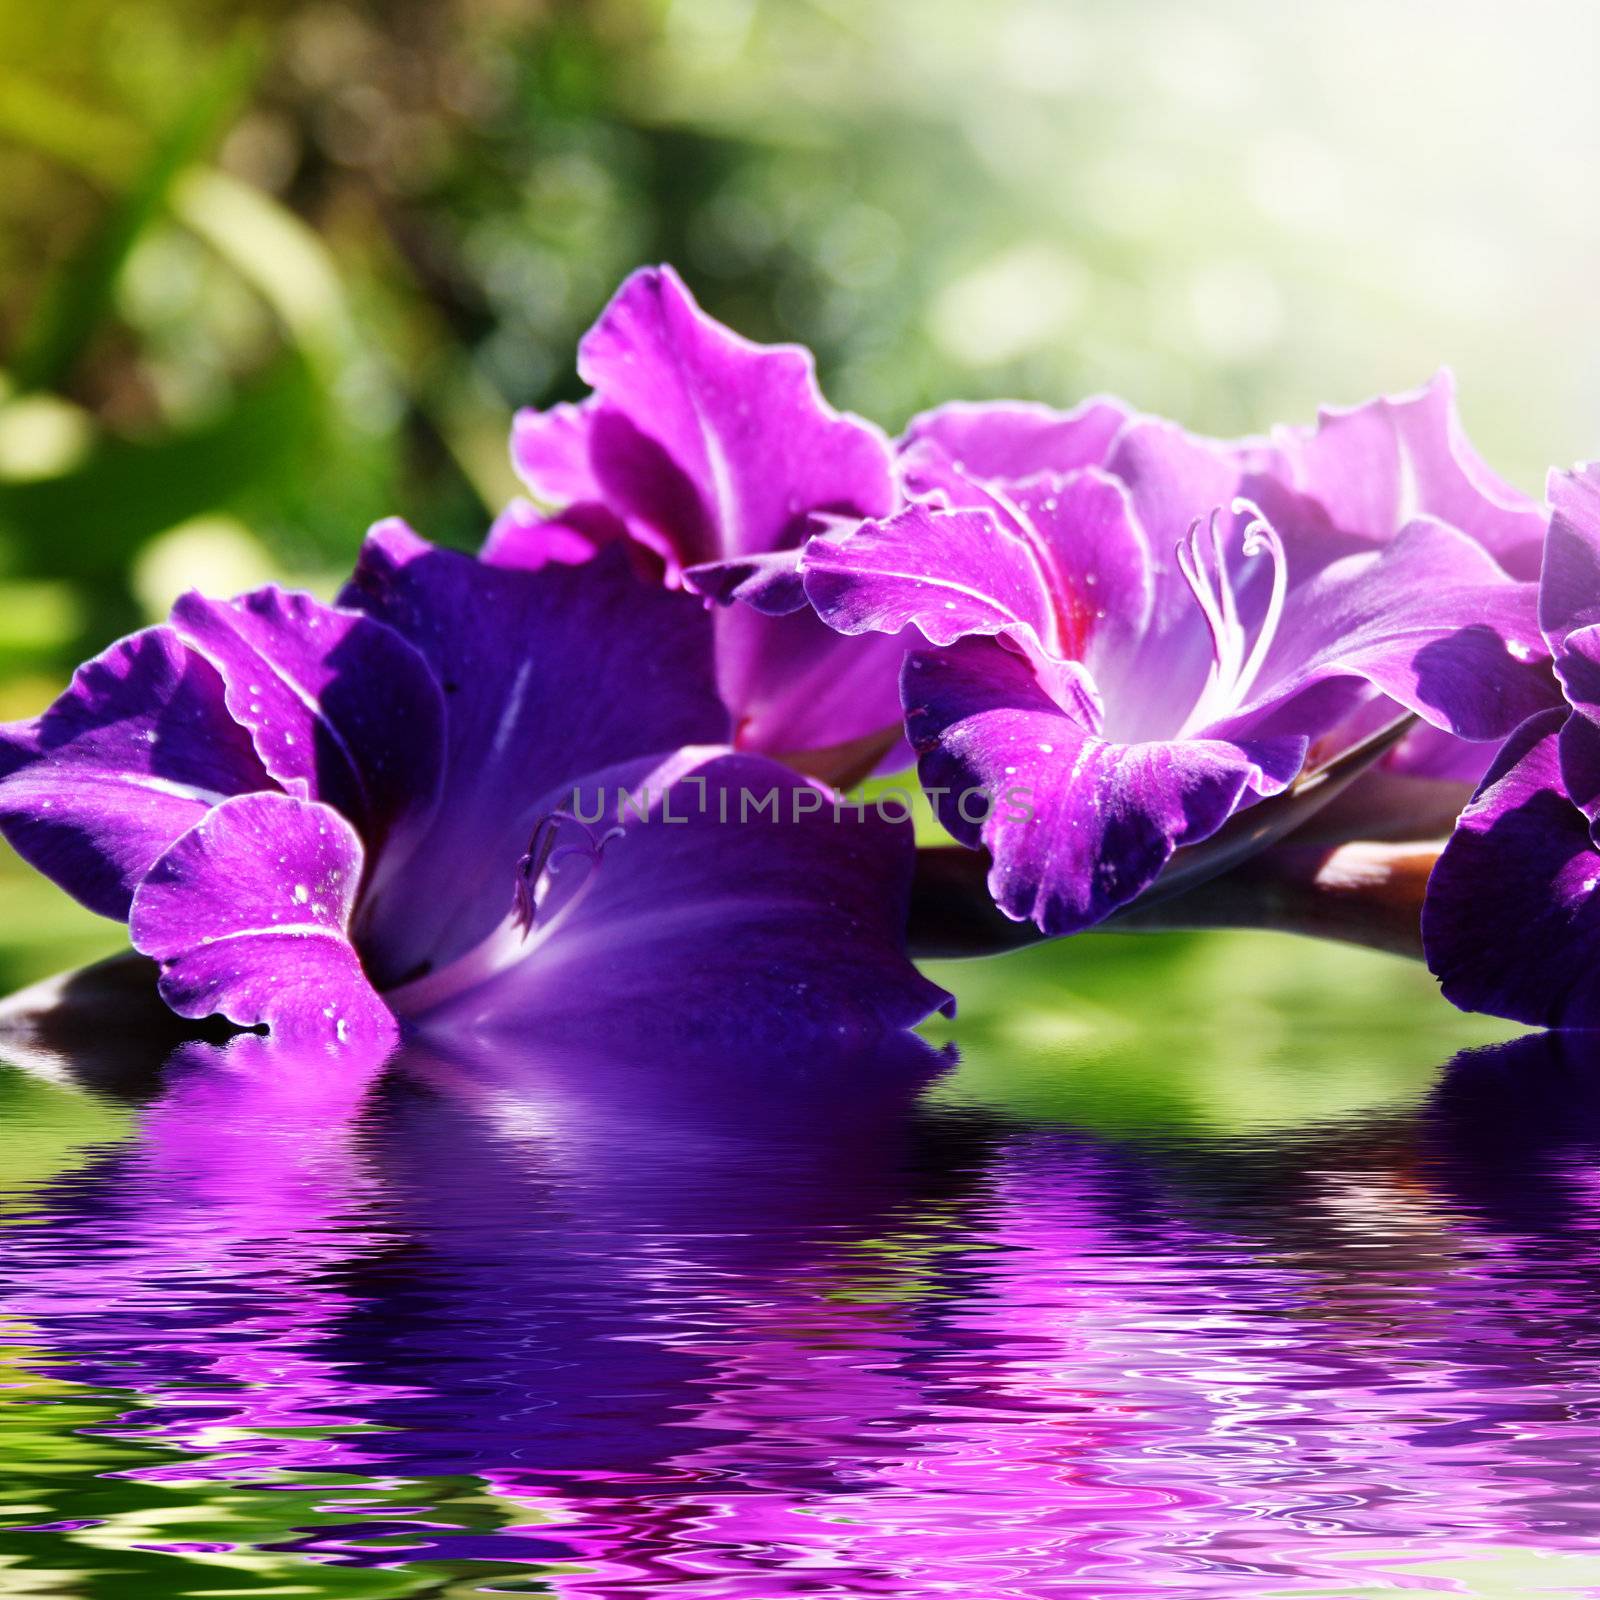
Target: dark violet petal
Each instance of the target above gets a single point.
(546, 675)
(762, 915)
(249, 915)
(135, 752)
(686, 404)
(1429, 620)
(947, 573)
(1077, 826)
(1009, 440)
(1512, 920)
(1569, 587)
(340, 707)
(1378, 466)
(769, 583)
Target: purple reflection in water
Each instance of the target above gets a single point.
(796, 1331)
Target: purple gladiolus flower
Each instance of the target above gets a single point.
(467, 795)
(714, 459)
(1133, 633)
(1511, 924)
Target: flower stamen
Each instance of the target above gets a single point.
(1204, 565)
(1259, 535)
(542, 858)
(1199, 581)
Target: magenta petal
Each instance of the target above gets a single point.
(550, 451)
(1077, 529)
(340, 707)
(1056, 564)
(1512, 920)
(1569, 588)
(249, 915)
(135, 752)
(523, 536)
(948, 573)
(1173, 477)
(706, 445)
(804, 691)
(1007, 440)
(1097, 566)
(710, 449)
(1428, 752)
(546, 675)
(1377, 466)
(742, 907)
(744, 424)
(1077, 825)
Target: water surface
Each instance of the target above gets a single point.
(1189, 1275)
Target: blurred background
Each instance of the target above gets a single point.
(271, 271)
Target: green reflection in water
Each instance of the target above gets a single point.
(47, 1129)
(1210, 1034)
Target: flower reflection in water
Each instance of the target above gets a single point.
(590, 1327)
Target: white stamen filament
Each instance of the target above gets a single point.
(1233, 673)
(1192, 565)
(1259, 535)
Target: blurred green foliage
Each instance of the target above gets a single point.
(272, 270)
